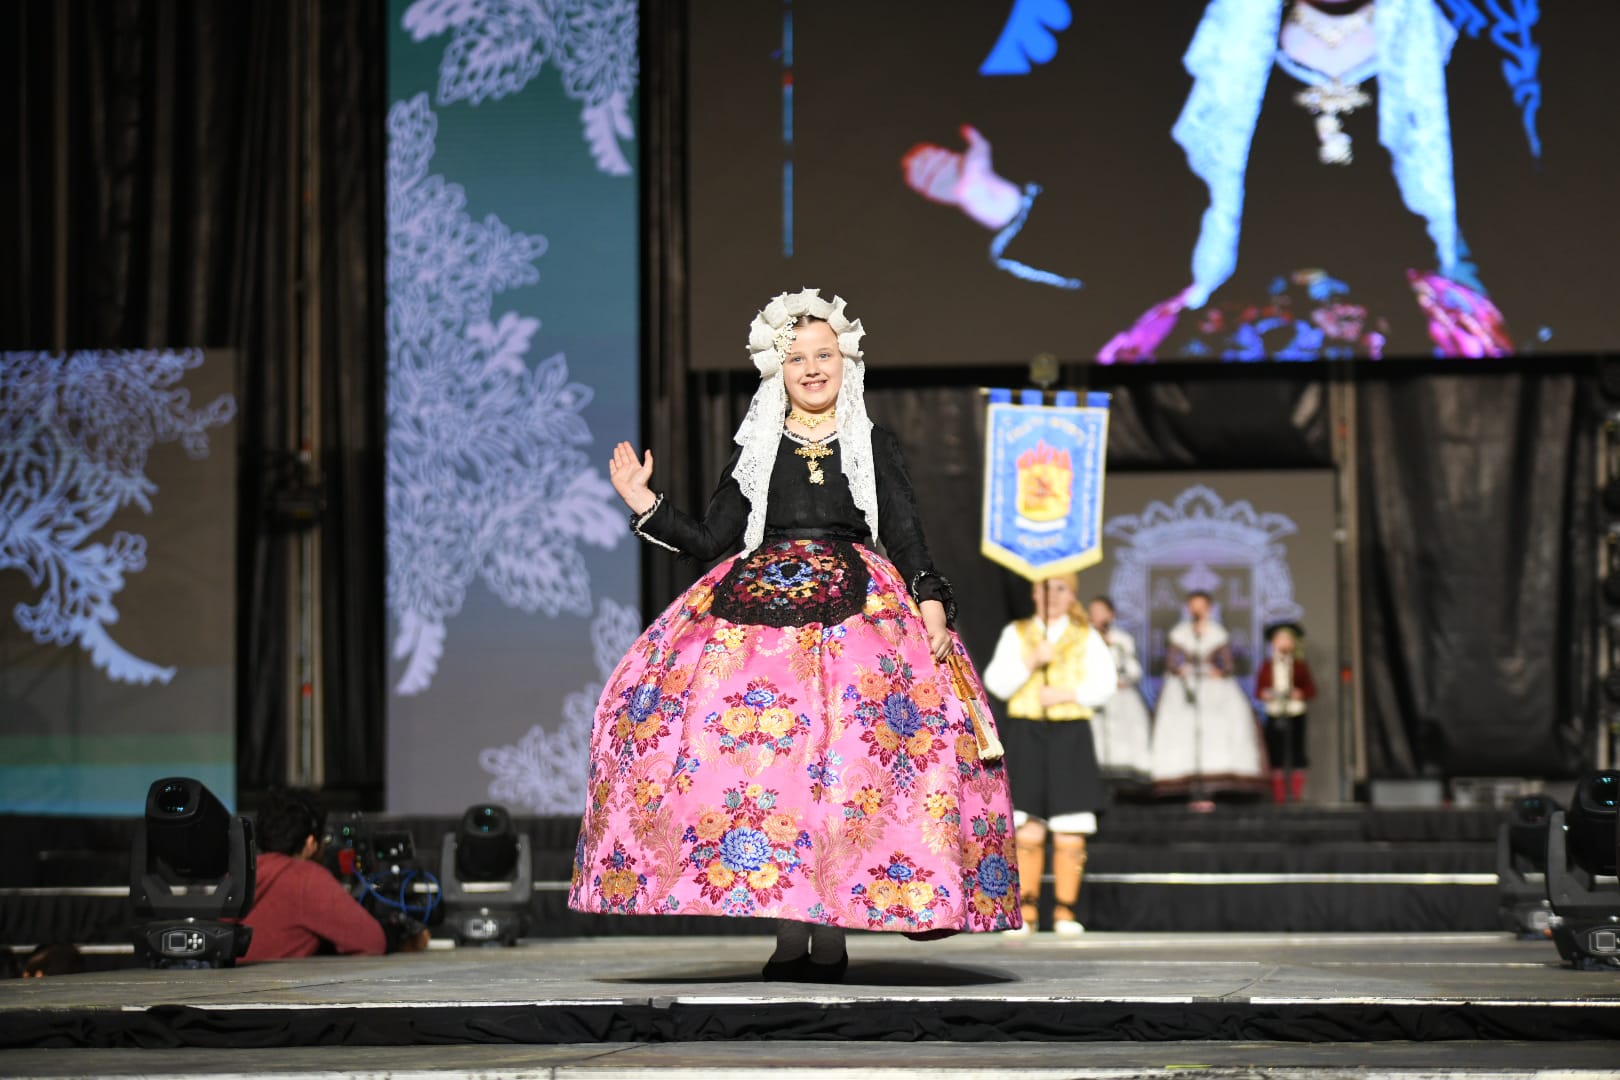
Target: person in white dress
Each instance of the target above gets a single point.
(1052, 670)
(1122, 728)
(1205, 738)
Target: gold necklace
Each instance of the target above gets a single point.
(1330, 30)
(812, 420)
(812, 455)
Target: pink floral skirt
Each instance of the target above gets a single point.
(822, 773)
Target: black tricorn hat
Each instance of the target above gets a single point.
(1275, 628)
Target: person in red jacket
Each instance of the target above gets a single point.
(299, 908)
(1285, 689)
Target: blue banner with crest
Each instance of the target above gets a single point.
(1043, 482)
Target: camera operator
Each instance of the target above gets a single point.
(299, 908)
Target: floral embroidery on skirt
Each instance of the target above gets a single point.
(823, 773)
(792, 583)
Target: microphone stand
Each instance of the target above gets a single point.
(1107, 721)
(1200, 800)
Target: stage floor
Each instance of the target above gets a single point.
(845, 1061)
(1435, 1004)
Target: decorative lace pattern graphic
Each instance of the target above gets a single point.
(498, 46)
(545, 771)
(75, 434)
(486, 471)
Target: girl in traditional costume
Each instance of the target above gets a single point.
(1122, 726)
(1053, 670)
(800, 736)
(1205, 738)
(1285, 688)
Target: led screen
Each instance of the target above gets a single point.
(1165, 180)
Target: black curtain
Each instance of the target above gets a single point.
(1479, 557)
(1243, 419)
(665, 366)
(352, 135)
(175, 171)
(182, 197)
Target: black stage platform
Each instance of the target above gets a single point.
(1098, 987)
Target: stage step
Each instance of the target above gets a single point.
(1241, 868)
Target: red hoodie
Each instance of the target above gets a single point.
(298, 906)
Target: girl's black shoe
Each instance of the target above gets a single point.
(827, 973)
(793, 970)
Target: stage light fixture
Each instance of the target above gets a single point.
(486, 878)
(1521, 866)
(191, 868)
(1591, 822)
(1581, 861)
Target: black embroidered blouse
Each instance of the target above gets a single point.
(798, 509)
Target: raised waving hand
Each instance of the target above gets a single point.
(629, 476)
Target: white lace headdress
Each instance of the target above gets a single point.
(760, 434)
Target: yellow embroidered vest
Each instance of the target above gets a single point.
(1068, 668)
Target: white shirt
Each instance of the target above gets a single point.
(1007, 673)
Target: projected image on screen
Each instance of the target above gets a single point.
(117, 561)
(1228, 181)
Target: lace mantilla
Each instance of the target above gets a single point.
(761, 430)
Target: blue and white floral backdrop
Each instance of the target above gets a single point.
(512, 338)
(117, 588)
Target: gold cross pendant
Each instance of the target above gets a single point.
(812, 456)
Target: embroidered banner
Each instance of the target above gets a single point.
(1043, 482)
